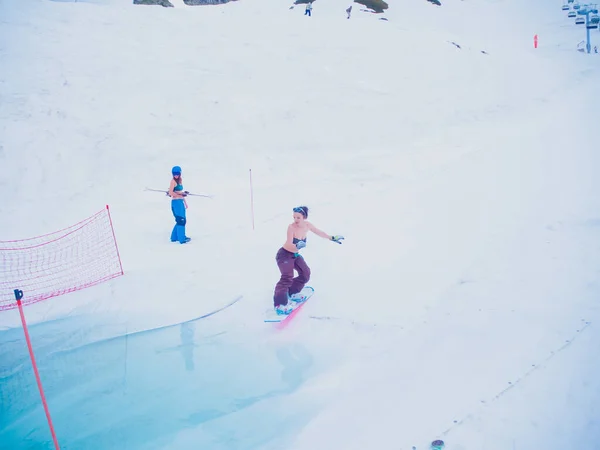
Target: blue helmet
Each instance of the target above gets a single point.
(176, 170)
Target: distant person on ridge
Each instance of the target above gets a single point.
(349, 11)
(285, 298)
(178, 206)
(308, 10)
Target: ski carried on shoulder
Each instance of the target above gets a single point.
(297, 300)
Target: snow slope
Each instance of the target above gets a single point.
(462, 304)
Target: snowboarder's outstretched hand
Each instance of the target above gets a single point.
(337, 239)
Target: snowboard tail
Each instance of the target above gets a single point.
(305, 294)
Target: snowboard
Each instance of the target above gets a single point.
(304, 295)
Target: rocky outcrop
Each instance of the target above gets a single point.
(165, 3)
(206, 2)
(376, 5)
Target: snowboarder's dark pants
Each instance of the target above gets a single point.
(287, 262)
(307, 13)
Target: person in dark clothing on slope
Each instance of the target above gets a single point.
(288, 259)
(308, 10)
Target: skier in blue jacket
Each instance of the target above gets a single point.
(178, 206)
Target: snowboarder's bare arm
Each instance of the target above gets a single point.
(318, 232)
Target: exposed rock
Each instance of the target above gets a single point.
(165, 3)
(376, 5)
(206, 2)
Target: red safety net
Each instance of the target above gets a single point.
(68, 260)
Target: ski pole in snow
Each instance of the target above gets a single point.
(251, 199)
(186, 193)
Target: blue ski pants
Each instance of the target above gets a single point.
(178, 208)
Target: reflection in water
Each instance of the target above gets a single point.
(187, 345)
(296, 361)
(144, 389)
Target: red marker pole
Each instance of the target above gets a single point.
(535, 41)
(19, 296)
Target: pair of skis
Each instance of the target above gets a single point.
(187, 193)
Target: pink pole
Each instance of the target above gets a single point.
(114, 238)
(19, 295)
(251, 199)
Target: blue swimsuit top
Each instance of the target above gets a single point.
(178, 187)
(296, 240)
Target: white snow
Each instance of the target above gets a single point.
(463, 304)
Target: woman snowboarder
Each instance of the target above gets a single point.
(288, 259)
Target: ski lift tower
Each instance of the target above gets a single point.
(586, 10)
